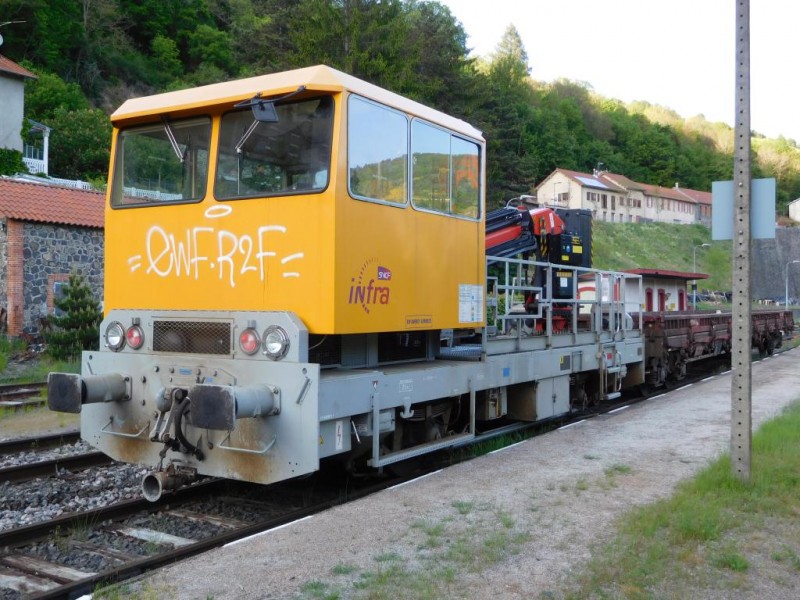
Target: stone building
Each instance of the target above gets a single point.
(47, 232)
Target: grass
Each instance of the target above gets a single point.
(9, 347)
(19, 422)
(127, 591)
(38, 369)
(706, 535)
(620, 246)
(467, 538)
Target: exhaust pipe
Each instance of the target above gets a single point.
(156, 483)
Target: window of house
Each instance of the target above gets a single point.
(55, 290)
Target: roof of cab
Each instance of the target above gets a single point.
(319, 78)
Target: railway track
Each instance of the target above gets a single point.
(24, 570)
(47, 468)
(41, 442)
(16, 396)
(26, 459)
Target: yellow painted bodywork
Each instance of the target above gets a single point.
(318, 255)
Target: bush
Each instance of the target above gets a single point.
(11, 162)
(78, 328)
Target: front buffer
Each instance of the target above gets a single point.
(188, 415)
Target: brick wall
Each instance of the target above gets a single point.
(15, 273)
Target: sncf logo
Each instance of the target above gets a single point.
(369, 287)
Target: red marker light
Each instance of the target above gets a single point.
(249, 341)
(135, 337)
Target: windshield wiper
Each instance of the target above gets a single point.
(263, 112)
(172, 140)
(246, 135)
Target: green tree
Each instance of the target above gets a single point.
(80, 143)
(50, 93)
(510, 61)
(435, 68)
(507, 116)
(77, 328)
(208, 45)
(166, 57)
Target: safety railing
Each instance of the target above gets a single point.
(529, 298)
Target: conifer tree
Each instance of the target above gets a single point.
(78, 327)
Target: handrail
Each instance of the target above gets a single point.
(121, 434)
(263, 450)
(508, 290)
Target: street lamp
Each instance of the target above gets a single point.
(7, 23)
(786, 279)
(694, 270)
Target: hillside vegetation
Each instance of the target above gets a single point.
(92, 55)
(668, 246)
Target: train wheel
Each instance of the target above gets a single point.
(765, 346)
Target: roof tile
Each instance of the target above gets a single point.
(26, 201)
(9, 66)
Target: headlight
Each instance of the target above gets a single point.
(135, 337)
(115, 336)
(249, 341)
(276, 342)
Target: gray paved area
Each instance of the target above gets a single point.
(553, 487)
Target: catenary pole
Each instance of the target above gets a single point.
(741, 388)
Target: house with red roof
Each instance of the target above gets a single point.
(12, 108)
(702, 202)
(617, 199)
(47, 232)
(12, 102)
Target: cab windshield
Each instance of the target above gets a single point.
(291, 155)
(162, 162)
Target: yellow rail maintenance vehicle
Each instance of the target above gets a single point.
(295, 269)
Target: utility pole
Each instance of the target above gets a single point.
(741, 380)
